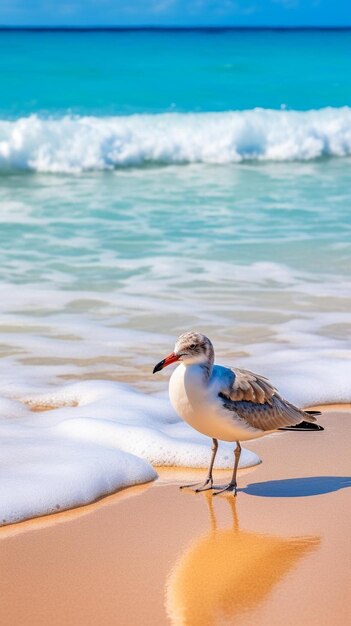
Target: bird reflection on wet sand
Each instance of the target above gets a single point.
(229, 571)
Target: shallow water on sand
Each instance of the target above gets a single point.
(101, 271)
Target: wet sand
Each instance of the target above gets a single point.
(278, 554)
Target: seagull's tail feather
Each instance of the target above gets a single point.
(309, 423)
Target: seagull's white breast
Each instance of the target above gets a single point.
(196, 401)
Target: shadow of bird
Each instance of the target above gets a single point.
(298, 487)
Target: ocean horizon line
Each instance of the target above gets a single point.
(154, 28)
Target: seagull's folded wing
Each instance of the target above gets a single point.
(251, 387)
(253, 398)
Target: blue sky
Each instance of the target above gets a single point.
(175, 12)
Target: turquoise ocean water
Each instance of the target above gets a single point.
(152, 182)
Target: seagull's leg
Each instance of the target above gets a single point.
(232, 485)
(208, 484)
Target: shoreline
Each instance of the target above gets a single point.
(150, 551)
(164, 473)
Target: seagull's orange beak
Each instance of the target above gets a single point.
(170, 358)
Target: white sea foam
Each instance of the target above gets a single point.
(75, 144)
(109, 439)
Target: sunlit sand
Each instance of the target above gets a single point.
(157, 555)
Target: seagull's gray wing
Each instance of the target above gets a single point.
(251, 387)
(253, 398)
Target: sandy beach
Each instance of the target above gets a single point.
(279, 553)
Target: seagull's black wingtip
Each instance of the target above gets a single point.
(303, 426)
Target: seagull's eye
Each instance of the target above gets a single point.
(192, 346)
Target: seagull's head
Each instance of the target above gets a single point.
(190, 348)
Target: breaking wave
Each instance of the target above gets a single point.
(73, 144)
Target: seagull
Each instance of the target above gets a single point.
(230, 404)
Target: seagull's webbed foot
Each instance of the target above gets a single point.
(205, 486)
(231, 487)
(208, 484)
